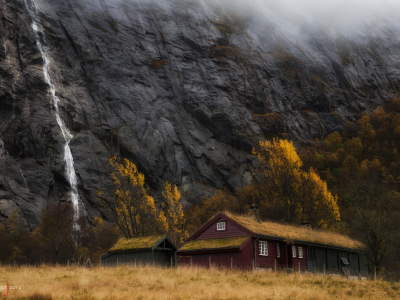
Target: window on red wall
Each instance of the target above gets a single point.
(278, 250)
(221, 226)
(300, 252)
(263, 248)
(294, 251)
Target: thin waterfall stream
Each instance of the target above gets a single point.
(69, 161)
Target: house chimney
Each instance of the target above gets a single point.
(254, 213)
(306, 224)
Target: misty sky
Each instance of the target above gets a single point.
(329, 12)
(336, 10)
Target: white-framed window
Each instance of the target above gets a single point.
(294, 251)
(263, 248)
(278, 250)
(300, 252)
(221, 226)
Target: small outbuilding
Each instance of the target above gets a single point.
(152, 250)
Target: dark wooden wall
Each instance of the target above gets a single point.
(157, 257)
(333, 261)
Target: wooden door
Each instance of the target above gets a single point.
(290, 256)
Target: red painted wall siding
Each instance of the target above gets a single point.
(248, 255)
(212, 233)
(217, 260)
(283, 260)
(244, 259)
(241, 259)
(303, 261)
(269, 261)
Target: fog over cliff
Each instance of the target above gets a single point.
(184, 88)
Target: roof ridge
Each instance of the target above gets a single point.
(127, 244)
(291, 231)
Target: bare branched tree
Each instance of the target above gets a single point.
(376, 218)
(53, 232)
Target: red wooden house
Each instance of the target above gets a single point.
(242, 242)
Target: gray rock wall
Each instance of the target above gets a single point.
(183, 88)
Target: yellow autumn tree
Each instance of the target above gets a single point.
(132, 209)
(173, 217)
(283, 176)
(318, 206)
(301, 195)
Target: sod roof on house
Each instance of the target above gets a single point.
(135, 243)
(214, 244)
(296, 233)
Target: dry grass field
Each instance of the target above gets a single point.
(183, 283)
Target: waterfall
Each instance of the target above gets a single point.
(69, 161)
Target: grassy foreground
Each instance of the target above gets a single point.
(183, 283)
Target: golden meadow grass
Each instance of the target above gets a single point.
(184, 283)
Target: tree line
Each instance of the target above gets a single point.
(60, 238)
(56, 239)
(348, 182)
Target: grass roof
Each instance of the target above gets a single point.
(135, 243)
(291, 232)
(224, 243)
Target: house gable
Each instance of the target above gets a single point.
(209, 230)
(165, 242)
(212, 233)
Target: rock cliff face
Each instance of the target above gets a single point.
(185, 88)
